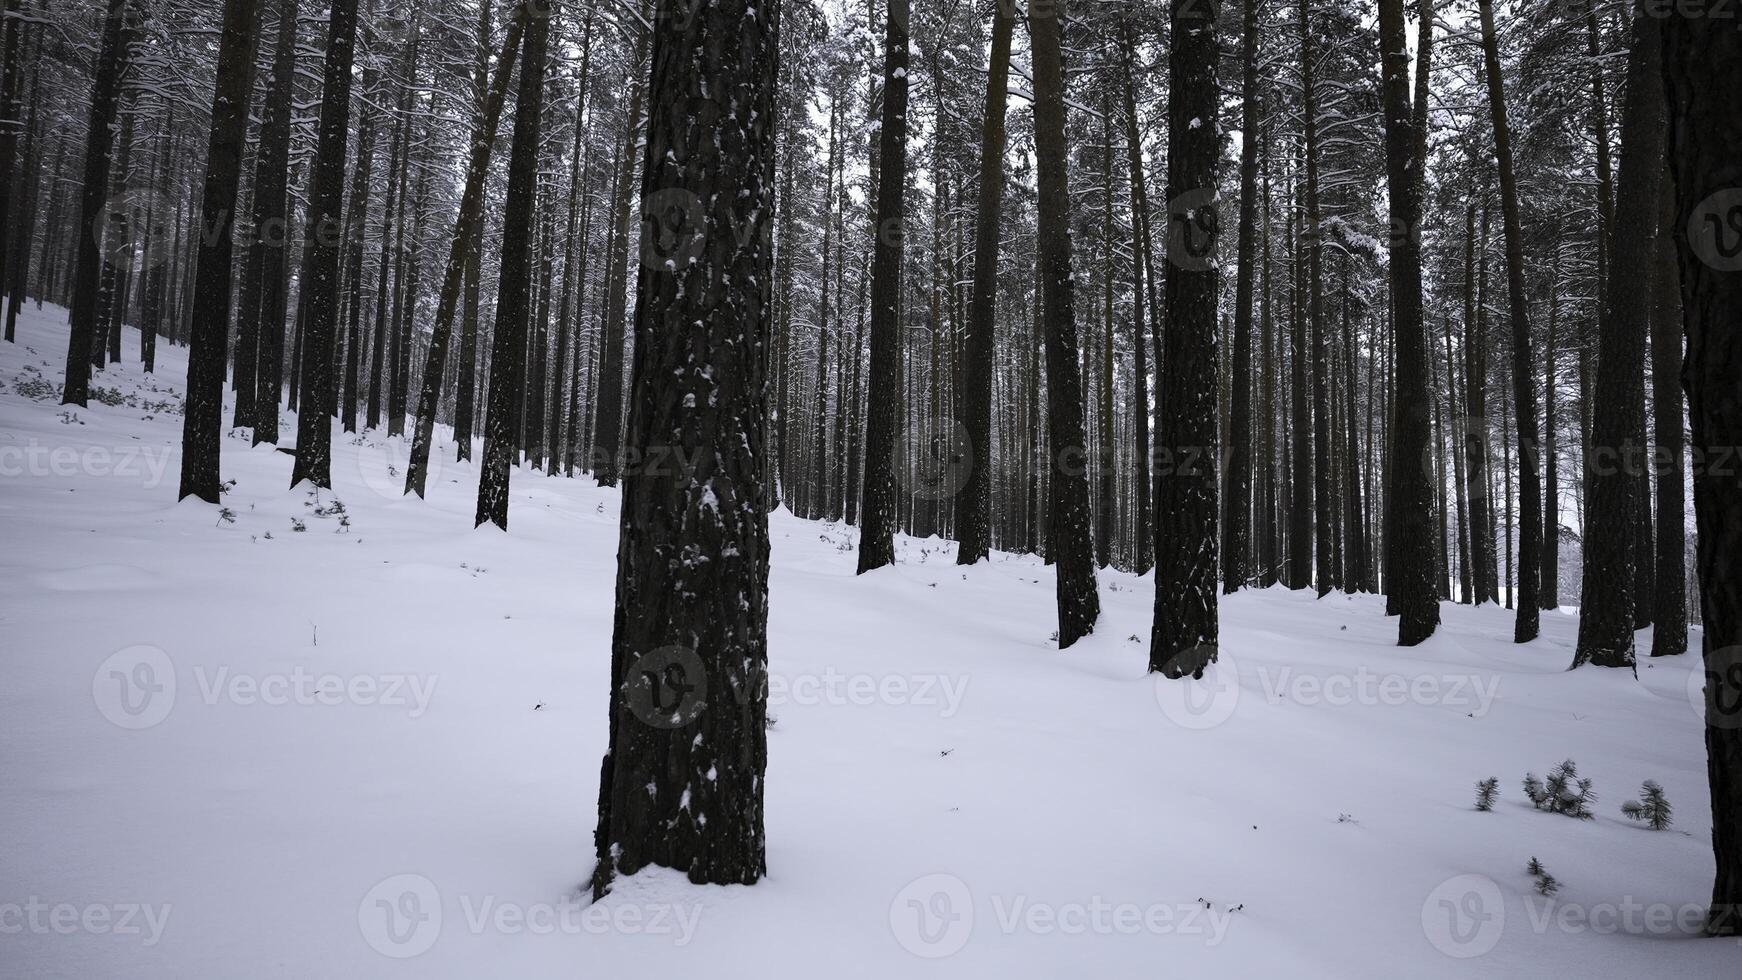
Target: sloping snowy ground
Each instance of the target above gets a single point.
(237, 750)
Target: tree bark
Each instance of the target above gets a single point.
(314, 430)
(203, 416)
(1069, 541)
(682, 783)
(1410, 571)
(1523, 365)
(514, 284)
(1614, 457)
(1705, 153)
(1185, 633)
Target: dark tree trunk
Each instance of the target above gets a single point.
(1549, 596)
(464, 399)
(1523, 365)
(320, 288)
(260, 332)
(1615, 455)
(682, 787)
(1669, 635)
(974, 503)
(1236, 520)
(1410, 568)
(1145, 332)
(1705, 153)
(607, 434)
(1319, 366)
(83, 338)
(203, 418)
(1069, 543)
(883, 383)
(465, 228)
(514, 285)
(1184, 637)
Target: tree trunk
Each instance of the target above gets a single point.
(974, 503)
(514, 284)
(1669, 634)
(82, 339)
(1410, 571)
(465, 227)
(877, 501)
(1069, 543)
(1615, 455)
(1705, 147)
(1523, 365)
(1185, 633)
(203, 418)
(1236, 521)
(314, 430)
(682, 783)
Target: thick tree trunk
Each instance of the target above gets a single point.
(1236, 515)
(1615, 456)
(203, 418)
(514, 286)
(1069, 543)
(1410, 571)
(1185, 633)
(1669, 634)
(314, 430)
(877, 500)
(1705, 153)
(264, 306)
(682, 783)
(83, 338)
(974, 503)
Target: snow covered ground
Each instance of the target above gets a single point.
(371, 748)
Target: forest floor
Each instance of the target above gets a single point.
(238, 748)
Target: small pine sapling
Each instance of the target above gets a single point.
(1546, 885)
(1652, 807)
(1564, 792)
(1486, 792)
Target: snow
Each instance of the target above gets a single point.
(373, 751)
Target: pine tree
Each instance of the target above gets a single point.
(203, 415)
(1185, 633)
(883, 409)
(1069, 543)
(974, 502)
(684, 789)
(1705, 141)
(314, 430)
(514, 287)
(1410, 566)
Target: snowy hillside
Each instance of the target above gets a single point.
(294, 739)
